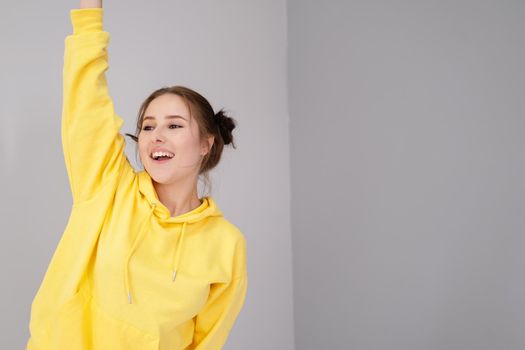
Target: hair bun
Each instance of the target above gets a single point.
(226, 125)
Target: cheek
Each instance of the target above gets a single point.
(141, 147)
(188, 149)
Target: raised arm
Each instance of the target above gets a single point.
(92, 144)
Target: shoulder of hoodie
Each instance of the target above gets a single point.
(227, 228)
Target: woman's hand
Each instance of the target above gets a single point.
(90, 4)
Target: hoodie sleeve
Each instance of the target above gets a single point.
(225, 301)
(92, 145)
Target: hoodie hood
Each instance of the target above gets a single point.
(160, 212)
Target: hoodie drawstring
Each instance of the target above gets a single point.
(135, 243)
(175, 257)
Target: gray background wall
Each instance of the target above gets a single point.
(405, 123)
(407, 128)
(234, 53)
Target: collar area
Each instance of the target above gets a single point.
(207, 208)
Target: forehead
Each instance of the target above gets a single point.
(167, 104)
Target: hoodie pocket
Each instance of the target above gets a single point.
(71, 329)
(80, 324)
(112, 333)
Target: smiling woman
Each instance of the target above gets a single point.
(182, 122)
(144, 263)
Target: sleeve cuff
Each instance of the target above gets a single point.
(87, 20)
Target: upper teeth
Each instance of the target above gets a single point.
(159, 154)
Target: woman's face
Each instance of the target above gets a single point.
(166, 125)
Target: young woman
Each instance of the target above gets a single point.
(143, 263)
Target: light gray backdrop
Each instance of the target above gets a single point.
(408, 168)
(402, 197)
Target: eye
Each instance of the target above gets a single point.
(175, 125)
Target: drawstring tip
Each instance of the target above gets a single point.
(129, 297)
(174, 275)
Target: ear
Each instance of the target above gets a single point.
(207, 144)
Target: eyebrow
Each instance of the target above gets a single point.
(166, 117)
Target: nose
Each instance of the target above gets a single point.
(158, 136)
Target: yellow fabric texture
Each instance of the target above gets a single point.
(125, 273)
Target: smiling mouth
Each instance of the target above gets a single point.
(160, 156)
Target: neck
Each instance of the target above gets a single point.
(178, 199)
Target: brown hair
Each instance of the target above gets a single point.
(210, 123)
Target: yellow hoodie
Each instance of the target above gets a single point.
(125, 273)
